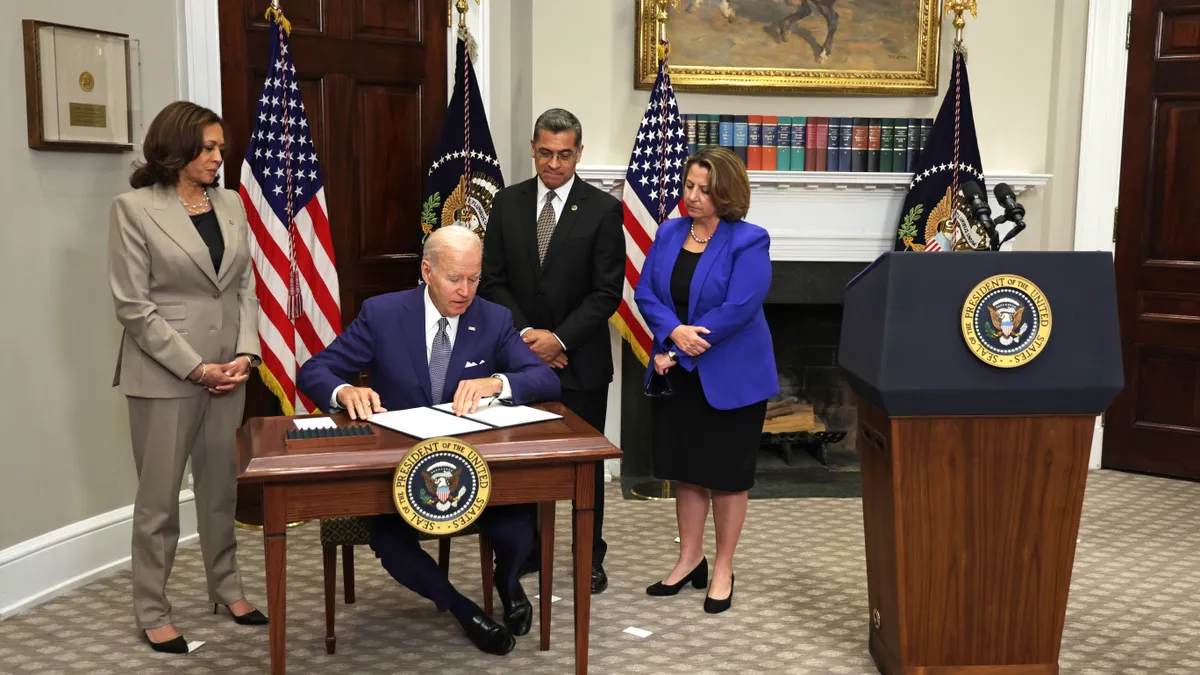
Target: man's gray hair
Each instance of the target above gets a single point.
(454, 237)
(557, 120)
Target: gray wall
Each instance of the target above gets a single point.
(64, 432)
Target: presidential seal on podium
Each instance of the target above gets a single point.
(1006, 321)
(441, 485)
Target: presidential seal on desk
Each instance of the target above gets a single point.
(1006, 321)
(441, 486)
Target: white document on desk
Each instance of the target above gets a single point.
(498, 415)
(426, 423)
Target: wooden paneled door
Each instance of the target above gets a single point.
(373, 81)
(1154, 425)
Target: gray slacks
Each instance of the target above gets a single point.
(165, 432)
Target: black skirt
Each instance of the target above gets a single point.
(699, 444)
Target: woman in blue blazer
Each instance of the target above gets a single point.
(701, 293)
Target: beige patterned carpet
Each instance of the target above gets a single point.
(799, 605)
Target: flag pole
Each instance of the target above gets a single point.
(656, 490)
(468, 213)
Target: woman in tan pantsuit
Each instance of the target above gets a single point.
(183, 286)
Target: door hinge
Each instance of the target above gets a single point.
(1128, 28)
(1115, 212)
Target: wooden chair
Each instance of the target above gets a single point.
(350, 532)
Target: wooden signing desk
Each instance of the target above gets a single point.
(536, 463)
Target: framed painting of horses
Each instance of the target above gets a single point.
(854, 47)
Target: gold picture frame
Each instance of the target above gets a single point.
(78, 88)
(775, 59)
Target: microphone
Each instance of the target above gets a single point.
(1012, 209)
(978, 204)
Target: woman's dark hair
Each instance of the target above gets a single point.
(175, 138)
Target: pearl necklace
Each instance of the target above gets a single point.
(198, 207)
(698, 239)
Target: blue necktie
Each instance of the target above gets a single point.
(439, 360)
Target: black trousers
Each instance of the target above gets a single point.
(398, 548)
(592, 406)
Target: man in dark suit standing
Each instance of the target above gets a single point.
(554, 255)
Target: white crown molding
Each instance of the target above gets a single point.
(817, 216)
(42, 568)
(611, 177)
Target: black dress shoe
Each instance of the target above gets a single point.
(489, 636)
(176, 645)
(599, 579)
(251, 618)
(518, 611)
(698, 577)
(717, 606)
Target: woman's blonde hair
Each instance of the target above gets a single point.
(728, 182)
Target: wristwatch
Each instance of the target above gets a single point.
(673, 355)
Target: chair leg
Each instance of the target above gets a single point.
(485, 562)
(348, 572)
(329, 565)
(444, 555)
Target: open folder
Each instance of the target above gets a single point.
(440, 420)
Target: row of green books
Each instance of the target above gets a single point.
(809, 143)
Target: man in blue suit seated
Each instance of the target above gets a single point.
(442, 339)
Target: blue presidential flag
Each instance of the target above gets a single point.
(465, 173)
(935, 216)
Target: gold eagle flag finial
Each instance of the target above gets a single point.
(958, 7)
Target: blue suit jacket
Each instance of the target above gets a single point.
(727, 293)
(388, 340)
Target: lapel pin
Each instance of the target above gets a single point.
(574, 207)
(470, 327)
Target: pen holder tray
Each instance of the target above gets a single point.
(351, 434)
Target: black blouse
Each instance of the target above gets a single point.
(210, 231)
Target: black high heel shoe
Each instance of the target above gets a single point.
(698, 577)
(717, 606)
(251, 618)
(176, 645)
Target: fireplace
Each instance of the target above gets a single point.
(804, 312)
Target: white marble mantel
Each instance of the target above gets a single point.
(826, 216)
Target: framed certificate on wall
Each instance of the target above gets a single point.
(78, 92)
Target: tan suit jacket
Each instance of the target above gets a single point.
(176, 309)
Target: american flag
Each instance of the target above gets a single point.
(653, 193)
(284, 195)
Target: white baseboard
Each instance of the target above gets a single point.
(47, 566)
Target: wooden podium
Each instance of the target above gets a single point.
(973, 475)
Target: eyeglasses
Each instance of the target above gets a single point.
(564, 156)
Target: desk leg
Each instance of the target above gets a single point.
(546, 575)
(581, 546)
(275, 540)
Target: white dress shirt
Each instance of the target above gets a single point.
(432, 317)
(560, 198)
(560, 202)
